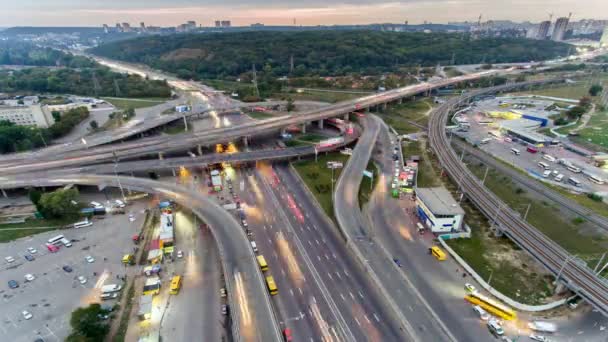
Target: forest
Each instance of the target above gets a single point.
(22, 53)
(319, 53)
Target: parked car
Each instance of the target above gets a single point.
(26, 314)
(13, 284)
(470, 288)
(32, 250)
(481, 312)
(539, 338)
(67, 268)
(180, 254)
(29, 277)
(89, 259)
(107, 296)
(9, 259)
(82, 279)
(28, 257)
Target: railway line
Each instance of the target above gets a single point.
(573, 272)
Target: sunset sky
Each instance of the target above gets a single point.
(274, 12)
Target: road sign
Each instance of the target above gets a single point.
(334, 165)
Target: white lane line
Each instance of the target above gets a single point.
(411, 308)
(351, 295)
(342, 295)
(360, 294)
(291, 291)
(358, 323)
(367, 319)
(270, 241)
(329, 275)
(318, 257)
(314, 299)
(283, 272)
(301, 293)
(334, 255)
(376, 317)
(310, 243)
(307, 227)
(276, 256)
(346, 272)
(315, 227)
(326, 256)
(317, 241)
(265, 227)
(338, 274)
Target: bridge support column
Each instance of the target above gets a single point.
(346, 116)
(200, 150)
(400, 101)
(321, 124)
(560, 288)
(4, 193)
(304, 128)
(161, 156)
(383, 107)
(246, 142)
(173, 172)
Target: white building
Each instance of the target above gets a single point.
(26, 115)
(437, 210)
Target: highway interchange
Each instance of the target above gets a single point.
(339, 280)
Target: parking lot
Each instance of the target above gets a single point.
(55, 293)
(483, 132)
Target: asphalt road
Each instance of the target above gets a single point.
(254, 319)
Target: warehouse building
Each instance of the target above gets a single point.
(438, 210)
(26, 115)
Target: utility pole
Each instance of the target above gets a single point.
(96, 86)
(483, 182)
(255, 81)
(291, 64)
(527, 211)
(116, 88)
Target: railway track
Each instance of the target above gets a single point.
(573, 272)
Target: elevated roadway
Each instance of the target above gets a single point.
(253, 318)
(573, 272)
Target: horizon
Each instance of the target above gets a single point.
(71, 13)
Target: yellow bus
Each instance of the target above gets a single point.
(272, 287)
(262, 263)
(152, 286)
(176, 284)
(437, 253)
(491, 306)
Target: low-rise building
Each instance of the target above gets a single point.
(438, 210)
(26, 115)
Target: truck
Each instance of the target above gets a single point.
(216, 180)
(111, 288)
(543, 326)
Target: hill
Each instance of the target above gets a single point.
(229, 55)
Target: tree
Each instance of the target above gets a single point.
(595, 89)
(290, 105)
(35, 196)
(584, 102)
(87, 325)
(59, 204)
(94, 125)
(56, 115)
(128, 113)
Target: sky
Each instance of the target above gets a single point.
(275, 12)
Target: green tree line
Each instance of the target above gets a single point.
(98, 81)
(14, 138)
(319, 53)
(22, 53)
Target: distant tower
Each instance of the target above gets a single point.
(218, 23)
(543, 29)
(560, 28)
(142, 26)
(106, 29)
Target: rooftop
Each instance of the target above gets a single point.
(439, 201)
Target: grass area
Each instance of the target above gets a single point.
(125, 315)
(599, 207)
(544, 216)
(317, 177)
(296, 143)
(124, 103)
(175, 128)
(311, 137)
(452, 72)
(398, 115)
(427, 175)
(14, 231)
(596, 130)
(260, 115)
(366, 188)
(321, 96)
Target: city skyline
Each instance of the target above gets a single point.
(315, 12)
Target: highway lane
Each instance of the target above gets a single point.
(362, 311)
(574, 273)
(253, 316)
(403, 298)
(394, 229)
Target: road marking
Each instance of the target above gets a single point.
(338, 274)
(276, 255)
(291, 291)
(308, 227)
(270, 241)
(329, 275)
(411, 308)
(358, 323)
(301, 293)
(283, 272)
(360, 294)
(315, 227)
(343, 298)
(317, 241)
(351, 295)
(310, 243)
(265, 227)
(376, 317)
(318, 257)
(346, 272)
(326, 256)
(334, 255)
(367, 319)
(314, 299)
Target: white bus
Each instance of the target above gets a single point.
(573, 168)
(56, 240)
(515, 151)
(595, 179)
(543, 166)
(574, 181)
(82, 224)
(549, 158)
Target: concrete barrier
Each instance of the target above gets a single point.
(513, 303)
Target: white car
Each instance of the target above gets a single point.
(26, 314)
(180, 254)
(539, 338)
(32, 250)
(89, 259)
(82, 279)
(9, 259)
(481, 312)
(470, 288)
(29, 277)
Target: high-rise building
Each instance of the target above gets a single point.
(126, 27)
(543, 29)
(218, 23)
(191, 24)
(560, 29)
(604, 39)
(142, 27)
(226, 23)
(118, 27)
(106, 29)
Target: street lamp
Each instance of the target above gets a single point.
(122, 192)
